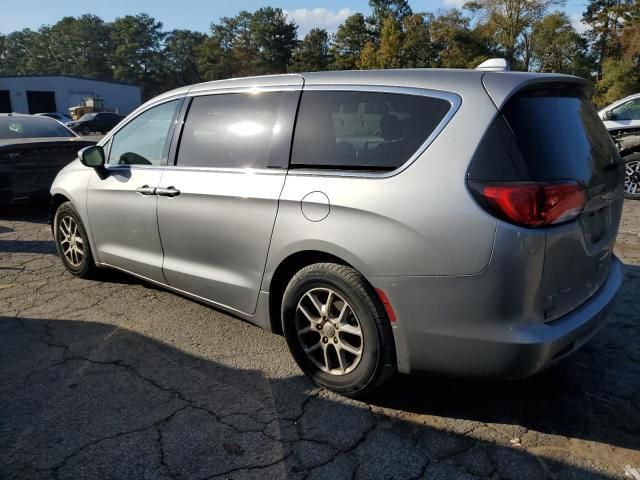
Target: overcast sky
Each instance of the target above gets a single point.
(198, 14)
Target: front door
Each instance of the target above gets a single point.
(122, 200)
(625, 116)
(218, 204)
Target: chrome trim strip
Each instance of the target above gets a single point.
(237, 171)
(252, 90)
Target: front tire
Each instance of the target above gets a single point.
(337, 329)
(632, 176)
(72, 242)
(86, 131)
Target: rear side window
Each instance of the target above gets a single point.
(239, 130)
(362, 130)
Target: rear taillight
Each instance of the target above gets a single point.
(532, 204)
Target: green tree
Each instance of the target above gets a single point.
(511, 22)
(77, 46)
(137, 52)
(368, 59)
(312, 53)
(417, 50)
(348, 42)
(605, 19)
(180, 58)
(236, 40)
(557, 47)
(19, 53)
(212, 60)
(383, 9)
(630, 37)
(620, 78)
(390, 44)
(274, 38)
(456, 44)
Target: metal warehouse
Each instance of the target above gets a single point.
(58, 93)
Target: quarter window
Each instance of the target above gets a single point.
(144, 140)
(239, 130)
(362, 130)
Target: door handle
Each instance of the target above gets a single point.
(146, 190)
(167, 192)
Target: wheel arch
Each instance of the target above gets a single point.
(285, 271)
(56, 200)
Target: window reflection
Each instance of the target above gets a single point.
(246, 129)
(237, 130)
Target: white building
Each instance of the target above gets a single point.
(57, 93)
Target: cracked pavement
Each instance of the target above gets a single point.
(118, 379)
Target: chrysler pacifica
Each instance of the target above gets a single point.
(459, 222)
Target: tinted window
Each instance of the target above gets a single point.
(363, 130)
(87, 116)
(143, 141)
(628, 111)
(31, 127)
(239, 130)
(559, 136)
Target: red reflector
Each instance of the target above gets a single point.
(387, 305)
(534, 205)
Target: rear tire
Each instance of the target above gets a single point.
(337, 329)
(72, 242)
(632, 176)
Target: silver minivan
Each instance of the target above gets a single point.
(458, 222)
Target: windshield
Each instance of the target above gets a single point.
(31, 127)
(87, 116)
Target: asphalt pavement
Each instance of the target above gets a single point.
(118, 379)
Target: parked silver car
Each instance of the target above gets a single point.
(622, 120)
(459, 222)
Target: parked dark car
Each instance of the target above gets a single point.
(61, 117)
(32, 151)
(95, 122)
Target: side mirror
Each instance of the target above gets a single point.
(92, 156)
(609, 115)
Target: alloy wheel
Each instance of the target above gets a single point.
(329, 331)
(632, 177)
(71, 242)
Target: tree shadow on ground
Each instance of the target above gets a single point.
(89, 400)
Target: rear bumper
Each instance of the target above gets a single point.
(490, 346)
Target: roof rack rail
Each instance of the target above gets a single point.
(494, 65)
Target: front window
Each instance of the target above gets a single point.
(144, 140)
(627, 111)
